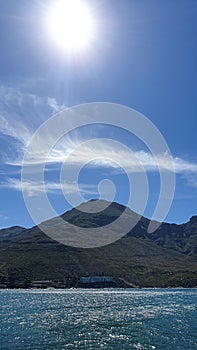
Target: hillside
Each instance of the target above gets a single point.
(167, 257)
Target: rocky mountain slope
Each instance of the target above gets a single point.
(167, 257)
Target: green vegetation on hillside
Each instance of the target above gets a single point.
(167, 257)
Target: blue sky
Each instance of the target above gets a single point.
(143, 56)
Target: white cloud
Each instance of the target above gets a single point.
(3, 216)
(105, 155)
(191, 180)
(33, 188)
(18, 131)
(20, 116)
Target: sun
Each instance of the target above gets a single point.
(71, 24)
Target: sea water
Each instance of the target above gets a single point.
(164, 319)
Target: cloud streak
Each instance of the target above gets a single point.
(102, 154)
(22, 113)
(34, 188)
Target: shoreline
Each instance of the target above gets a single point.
(95, 289)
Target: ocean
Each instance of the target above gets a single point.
(143, 319)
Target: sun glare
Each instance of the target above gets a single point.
(71, 24)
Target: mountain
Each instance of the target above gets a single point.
(167, 257)
(7, 234)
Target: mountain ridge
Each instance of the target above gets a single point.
(193, 218)
(167, 257)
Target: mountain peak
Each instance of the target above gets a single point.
(96, 206)
(193, 219)
(138, 257)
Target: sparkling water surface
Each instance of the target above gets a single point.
(164, 319)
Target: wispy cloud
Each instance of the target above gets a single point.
(34, 188)
(3, 216)
(191, 180)
(22, 113)
(102, 154)
(20, 116)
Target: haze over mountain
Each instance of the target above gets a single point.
(167, 257)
